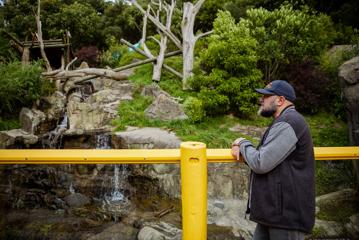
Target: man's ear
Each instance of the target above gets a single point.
(280, 100)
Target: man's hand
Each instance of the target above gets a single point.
(235, 148)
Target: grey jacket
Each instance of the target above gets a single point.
(282, 186)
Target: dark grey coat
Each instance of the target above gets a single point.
(282, 186)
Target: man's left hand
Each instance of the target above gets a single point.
(236, 148)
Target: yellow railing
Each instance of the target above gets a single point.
(192, 157)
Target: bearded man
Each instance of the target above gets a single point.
(282, 185)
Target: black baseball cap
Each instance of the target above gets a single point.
(279, 88)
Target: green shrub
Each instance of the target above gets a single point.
(117, 55)
(285, 35)
(230, 62)
(21, 85)
(194, 109)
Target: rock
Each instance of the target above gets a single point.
(352, 226)
(109, 95)
(349, 71)
(153, 90)
(165, 108)
(159, 231)
(76, 200)
(337, 198)
(53, 105)
(329, 229)
(349, 79)
(85, 116)
(230, 213)
(30, 119)
(116, 232)
(99, 84)
(145, 138)
(254, 132)
(16, 136)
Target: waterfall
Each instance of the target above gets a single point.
(120, 172)
(56, 134)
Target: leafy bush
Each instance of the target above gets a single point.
(88, 54)
(314, 89)
(194, 109)
(20, 86)
(286, 35)
(113, 55)
(230, 62)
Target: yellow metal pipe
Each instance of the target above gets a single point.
(141, 156)
(194, 190)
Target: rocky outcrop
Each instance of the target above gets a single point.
(145, 138)
(30, 119)
(165, 108)
(97, 111)
(349, 79)
(16, 137)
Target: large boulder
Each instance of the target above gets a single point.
(97, 111)
(30, 119)
(230, 213)
(54, 105)
(16, 137)
(145, 138)
(166, 175)
(349, 78)
(165, 108)
(76, 200)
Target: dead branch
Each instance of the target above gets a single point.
(39, 38)
(132, 65)
(165, 66)
(158, 24)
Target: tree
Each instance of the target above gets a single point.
(286, 35)
(230, 63)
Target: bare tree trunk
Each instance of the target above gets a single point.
(25, 58)
(39, 38)
(157, 69)
(189, 40)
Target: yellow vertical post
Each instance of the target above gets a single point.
(194, 190)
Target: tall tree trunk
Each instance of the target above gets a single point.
(39, 38)
(189, 40)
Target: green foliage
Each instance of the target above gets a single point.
(83, 20)
(20, 86)
(7, 124)
(286, 35)
(113, 55)
(7, 53)
(230, 61)
(194, 109)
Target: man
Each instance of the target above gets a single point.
(282, 192)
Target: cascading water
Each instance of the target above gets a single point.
(114, 201)
(120, 172)
(56, 134)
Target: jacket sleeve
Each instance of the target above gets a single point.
(280, 142)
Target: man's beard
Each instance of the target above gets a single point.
(268, 112)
